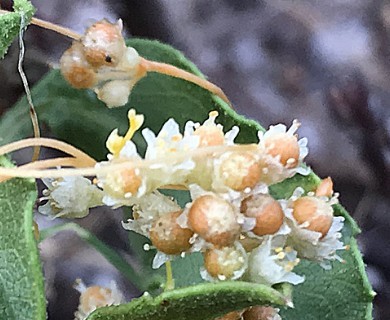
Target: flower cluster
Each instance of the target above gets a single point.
(101, 60)
(233, 220)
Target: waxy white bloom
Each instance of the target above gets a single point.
(145, 211)
(232, 260)
(70, 197)
(310, 244)
(272, 263)
(167, 145)
(120, 186)
(284, 153)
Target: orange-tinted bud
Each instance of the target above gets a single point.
(286, 146)
(104, 44)
(210, 136)
(235, 315)
(325, 188)
(130, 181)
(214, 220)
(76, 69)
(259, 313)
(94, 297)
(223, 262)
(168, 237)
(240, 171)
(314, 211)
(267, 211)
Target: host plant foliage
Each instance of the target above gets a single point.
(242, 226)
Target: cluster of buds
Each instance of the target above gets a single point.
(241, 230)
(101, 61)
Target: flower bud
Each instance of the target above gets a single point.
(240, 170)
(224, 263)
(261, 313)
(285, 146)
(267, 211)
(122, 183)
(104, 44)
(316, 213)
(115, 93)
(76, 69)
(95, 297)
(235, 315)
(214, 220)
(325, 188)
(168, 237)
(210, 136)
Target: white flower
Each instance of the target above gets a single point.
(120, 186)
(313, 245)
(169, 140)
(96, 297)
(270, 263)
(167, 146)
(70, 197)
(232, 260)
(146, 209)
(284, 153)
(210, 133)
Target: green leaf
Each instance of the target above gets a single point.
(10, 23)
(22, 293)
(79, 118)
(200, 302)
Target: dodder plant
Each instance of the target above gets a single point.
(244, 228)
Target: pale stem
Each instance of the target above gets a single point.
(167, 69)
(51, 26)
(49, 163)
(170, 283)
(93, 171)
(51, 143)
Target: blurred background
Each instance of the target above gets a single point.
(326, 63)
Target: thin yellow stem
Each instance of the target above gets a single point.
(170, 282)
(93, 171)
(49, 163)
(56, 28)
(51, 143)
(51, 26)
(167, 69)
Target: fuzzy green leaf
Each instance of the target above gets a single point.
(201, 302)
(10, 23)
(79, 118)
(21, 282)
